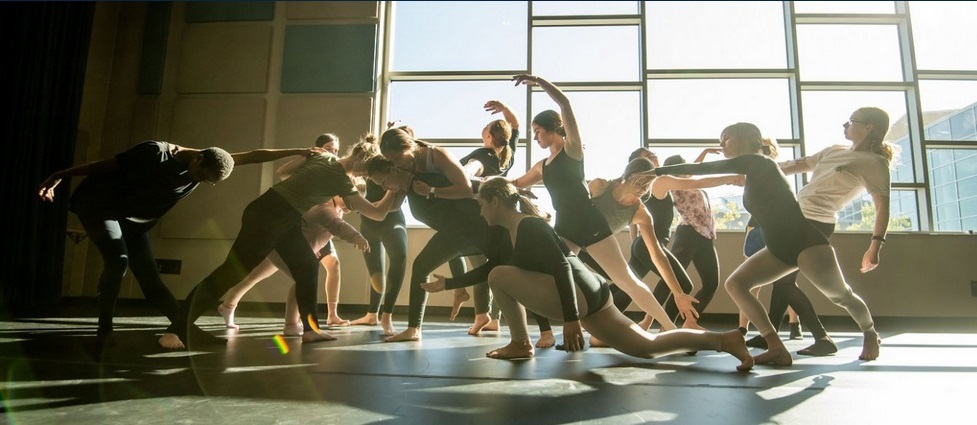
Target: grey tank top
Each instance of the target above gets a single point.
(618, 216)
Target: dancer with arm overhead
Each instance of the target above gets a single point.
(792, 243)
(533, 268)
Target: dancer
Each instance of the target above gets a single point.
(535, 269)
(494, 158)
(273, 222)
(577, 220)
(319, 224)
(839, 174)
(792, 243)
(123, 197)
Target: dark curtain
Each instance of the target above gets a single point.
(42, 68)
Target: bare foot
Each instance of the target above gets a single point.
(732, 342)
(646, 322)
(410, 334)
(461, 295)
(776, 354)
(692, 324)
(546, 340)
(227, 312)
(515, 350)
(594, 342)
(368, 319)
(493, 325)
(171, 342)
(387, 323)
(337, 321)
(311, 337)
(481, 320)
(870, 346)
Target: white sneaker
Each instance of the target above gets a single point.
(295, 329)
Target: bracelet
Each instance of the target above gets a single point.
(878, 238)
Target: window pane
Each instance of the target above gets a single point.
(565, 8)
(598, 53)
(726, 201)
(859, 215)
(826, 111)
(610, 127)
(849, 53)
(941, 29)
(701, 109)
(953, 183)
(948, 109)
(452, 109)
(459, 36)
(844, 7)
(711, 35)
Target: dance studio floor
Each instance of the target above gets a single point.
(927, 374)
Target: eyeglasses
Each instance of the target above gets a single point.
(850, 122)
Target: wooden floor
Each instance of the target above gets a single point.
(926, 374)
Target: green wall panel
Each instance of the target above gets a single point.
(329, 59)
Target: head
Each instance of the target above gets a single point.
(329, 142)
(867, 127)
(360, 153)
(548, 128)
(498, 197)
(384, 173)
(744, 138)
(397, 144)
(211, 165)
(674, 160)
(632, 178)
(644, 153)
(496, 135)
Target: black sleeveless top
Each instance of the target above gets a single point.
(577, 219)
(491, 164)
(662, 214)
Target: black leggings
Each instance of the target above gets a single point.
(124, 244)
(690, 247)
(787, 293)
(385, 237)
(442, 247)
(268, 223)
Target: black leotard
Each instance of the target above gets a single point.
(576, 218)
(767, 196)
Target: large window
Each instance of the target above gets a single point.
(671, 75)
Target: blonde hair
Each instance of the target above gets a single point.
(501, 188)
(501, 132)
(879, 120)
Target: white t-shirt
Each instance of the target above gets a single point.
(839, 174)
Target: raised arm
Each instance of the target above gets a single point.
(46, 191)
(495, 107)
(258, 156)
(871, 258)
(574, 145)
(707, 151)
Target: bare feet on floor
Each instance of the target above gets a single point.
(481, 321)
(515, 350)
(693, 324)
(293, 329)
(368, 319)
(387, 323)
(410, 334)
(171, 342)
(316, 336)
(227, 312)
(732, 342)
(546, 340)
(335, 320)
(870, 346)
(461, 295)
(492, 326)
(776, 354)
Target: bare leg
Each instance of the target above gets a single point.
(760, 269)
(331, 264)
(233, 296)
(461, 295)
(608, 255)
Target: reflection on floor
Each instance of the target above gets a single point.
(51, 377)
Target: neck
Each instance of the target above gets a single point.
(183, 155)
(863, 146)
(510, 219)
(556, 147)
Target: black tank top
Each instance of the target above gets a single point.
(662, 214)
(576, 217)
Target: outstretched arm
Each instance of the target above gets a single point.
(46, 191)
(647, 228)
(574, 145)
(258, 156)
(287, 169)
(871, 258)
(375, 212)
(533, 176)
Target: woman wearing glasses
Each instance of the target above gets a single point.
(792, 242)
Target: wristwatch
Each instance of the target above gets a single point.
(430, 193)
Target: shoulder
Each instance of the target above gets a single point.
(598, 186)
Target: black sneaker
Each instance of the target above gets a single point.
(795, 331)
(757, 342)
